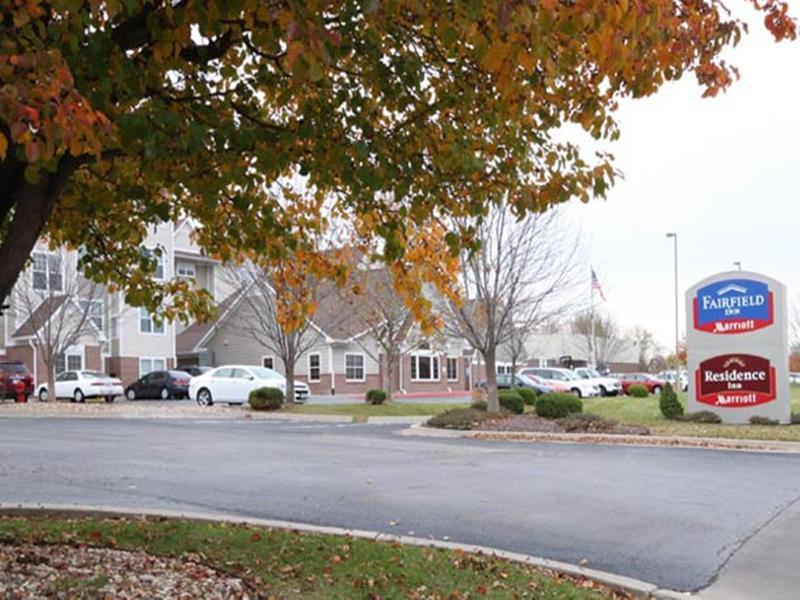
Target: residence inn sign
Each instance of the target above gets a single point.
(738, 347)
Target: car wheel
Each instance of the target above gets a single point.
(657, 390)
(78, 396)
(204, 397)
(603, 391)
(109, 399)
(164, 393)
(43, 395)
(130, 394)
(577, 392)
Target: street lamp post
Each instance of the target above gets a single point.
(674, 236)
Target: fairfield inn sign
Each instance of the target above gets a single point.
(737, 347)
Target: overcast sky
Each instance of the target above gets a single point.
(722, 172)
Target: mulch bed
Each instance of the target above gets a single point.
(64, 571)
(533, 423)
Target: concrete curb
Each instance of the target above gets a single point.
(629, 584)
(234, 415)
(651, 441)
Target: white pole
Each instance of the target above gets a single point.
(593, 355)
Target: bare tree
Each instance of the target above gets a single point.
(644, 343)
(516, 348)
(608, 341)
(389, 322)
(518, 278)
(258, 314)
(56, 304)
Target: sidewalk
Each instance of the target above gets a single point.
(765, 566)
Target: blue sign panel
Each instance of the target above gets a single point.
(733, 306)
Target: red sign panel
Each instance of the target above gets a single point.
(735, 381)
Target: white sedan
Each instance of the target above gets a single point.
(233, 384)
(79, 385)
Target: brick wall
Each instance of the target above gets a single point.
(94, 361)
(124, 367)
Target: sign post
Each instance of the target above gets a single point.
(738, 347)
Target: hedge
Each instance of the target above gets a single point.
(638, 390)
(511, 401)
(376, 396)
(669, 404)
(265, 398)
(528, 395)
(556, 405)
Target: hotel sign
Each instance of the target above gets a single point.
(737, 347)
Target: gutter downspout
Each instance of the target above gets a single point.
(331, 369)
(35, 363)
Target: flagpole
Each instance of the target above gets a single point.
(592, 357)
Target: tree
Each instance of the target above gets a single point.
(516, 347)
(388, 320)
(517, 278)
(607, 342)
(644, 342)
(116, 116)
(275, 308)
(56, 305)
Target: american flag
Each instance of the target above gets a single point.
(596, 285)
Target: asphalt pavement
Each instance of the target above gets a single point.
(672, 517)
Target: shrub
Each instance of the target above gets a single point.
(479, 405)
(376, 396)
(511, 401)
(759, 420)
(265, 398)
(528, 395)
(588, 423)
(669, 404)
(557, 406)
(637, 390)
(458, 418)
(701, 416)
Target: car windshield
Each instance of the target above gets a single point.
(14, 368)
(264, 373)
(179, 374)
(592, 373)
(569, 375)
(94, 375)
(526, 379)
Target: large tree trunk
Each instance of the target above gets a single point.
(33, 204)
(492, 400)
(391, 363)
(51, 382)
(289, 364)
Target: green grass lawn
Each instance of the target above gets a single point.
(645, 411)
(362, 409)
(288, 564)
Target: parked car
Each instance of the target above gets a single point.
(506, 381)
(233, 384)
(195, 371)
(670, 377)
(653, 384)
(11, 372)
(575, 385)
(609, 386)
(555, 386)
(79, 385)
(160, 384)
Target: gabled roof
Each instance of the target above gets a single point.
(192, 338)
(42, 313)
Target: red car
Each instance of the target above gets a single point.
(653, 384)
(12, 372)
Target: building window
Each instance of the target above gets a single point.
(313, 367)
(354, 367)
(424, 367)
(47, 274)
(147, 324)
(268, 362)
(68, 362)
(452, 369)
(94, 312)
(148, 365)
(503, 369)
(186, 270)
(158, 256)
